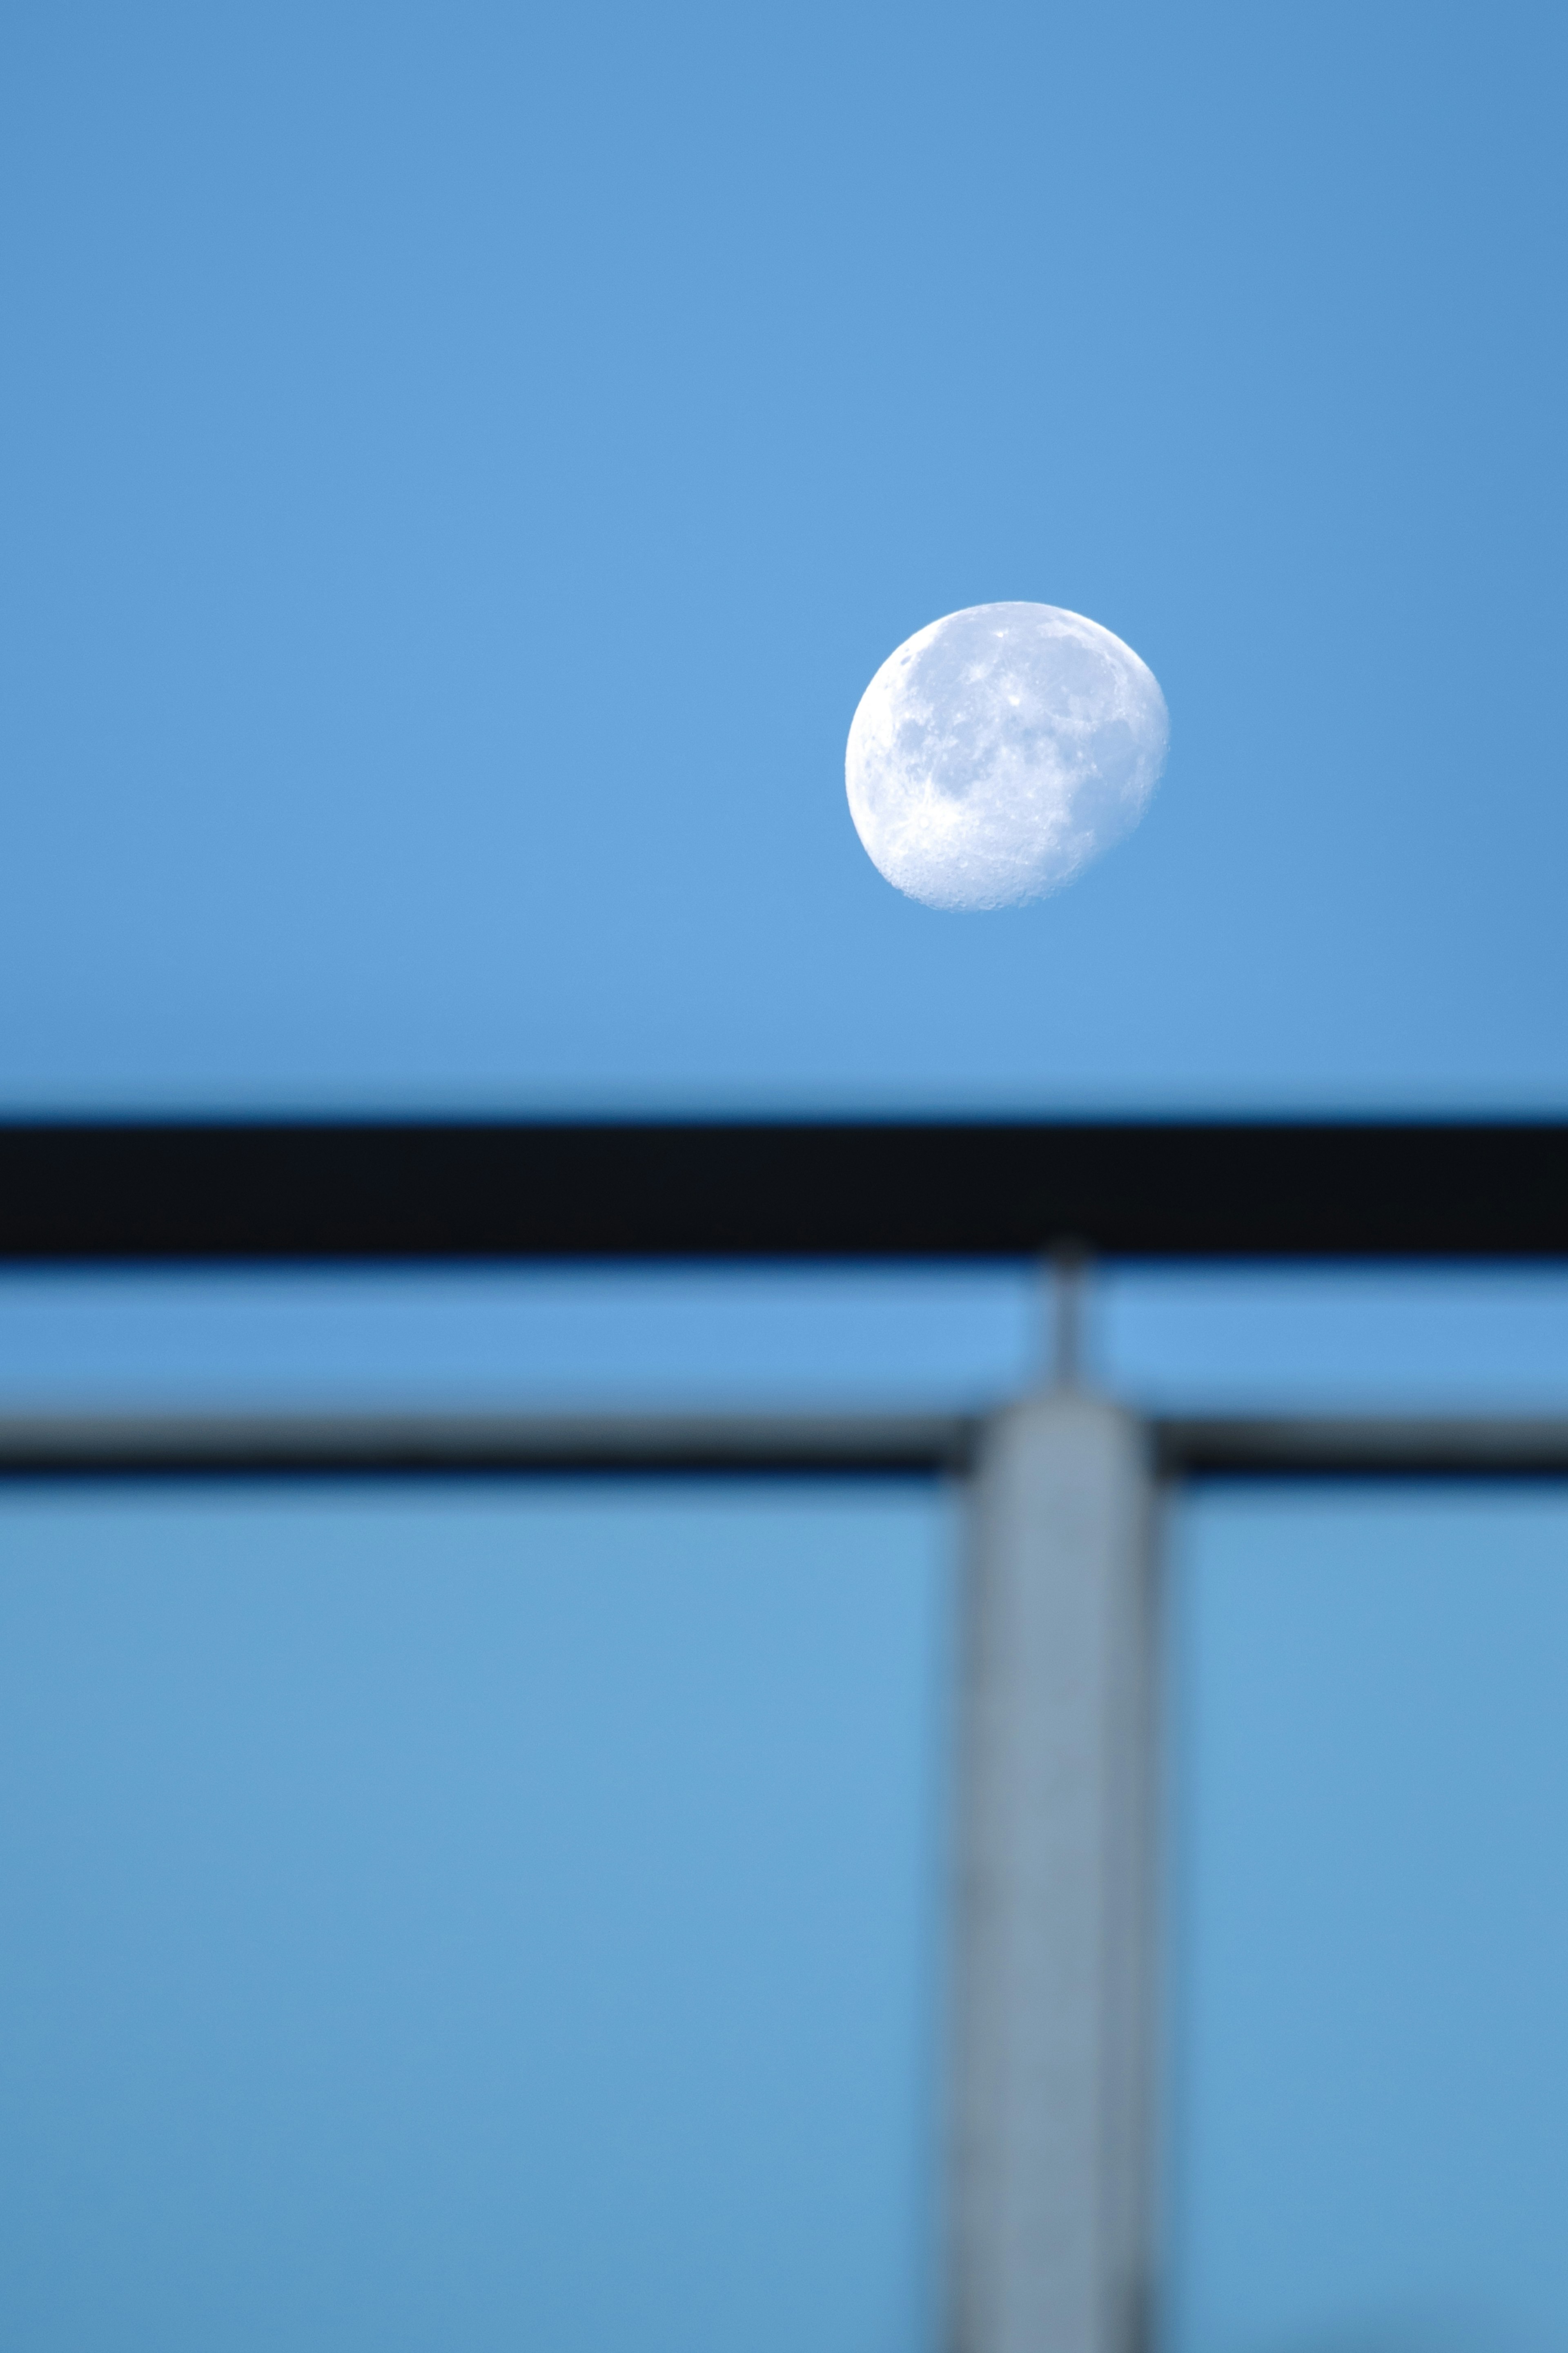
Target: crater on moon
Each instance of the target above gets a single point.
(998, 749)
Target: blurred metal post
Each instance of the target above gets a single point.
(1050, 2195)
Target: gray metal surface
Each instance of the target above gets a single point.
(1050, 2172)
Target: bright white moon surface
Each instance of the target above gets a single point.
(999, 750)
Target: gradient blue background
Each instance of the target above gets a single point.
(1370, 1948)
(505, 1913)
(458, 470)
(471, 1915)
(461, 466)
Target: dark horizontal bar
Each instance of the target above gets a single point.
(1268, 1190)
(1379, 1446)
(766, 1445)
(478, 1444)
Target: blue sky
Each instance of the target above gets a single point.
(461, 467)
(468, 1917)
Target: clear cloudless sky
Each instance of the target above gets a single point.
(461, 466)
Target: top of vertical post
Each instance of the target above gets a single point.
(1066, 1272)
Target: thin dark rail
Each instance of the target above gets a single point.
(687, 1189)
(922, 1445)
(761, 1445)
(1376, 1447)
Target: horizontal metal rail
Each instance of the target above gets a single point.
(1346, 1446)
(476, 1444)
(762, 1445)
(269, 1190)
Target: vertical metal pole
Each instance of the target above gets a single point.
(1050, 2183)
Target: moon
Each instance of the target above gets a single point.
(998, 749)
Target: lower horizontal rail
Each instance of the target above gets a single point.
(759, 1444)
(1374, 1446)
(781, 1444)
